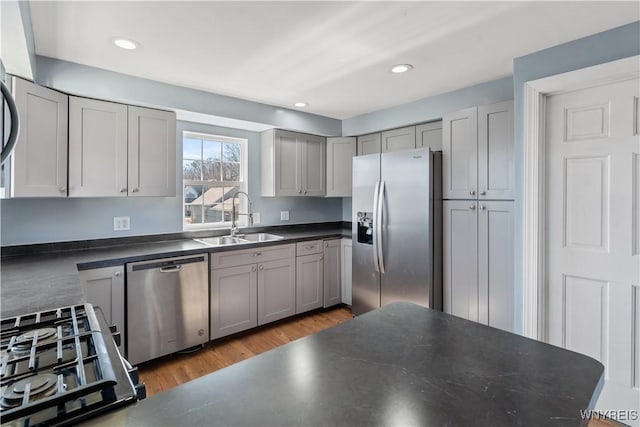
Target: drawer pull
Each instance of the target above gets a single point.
(310, 247)
(256, 254)
(261, 267)
(253, 268)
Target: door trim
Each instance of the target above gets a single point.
(535, 249)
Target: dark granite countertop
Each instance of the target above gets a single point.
(42, 280)
(400, 365)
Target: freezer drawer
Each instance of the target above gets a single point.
(167, 306)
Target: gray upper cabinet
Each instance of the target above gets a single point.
(292, 164)
(332, 272)
(104, 288)
(399, 139)
(152, 152)
(495, 151)
(369, 144)
(478, 153)
(429, 135)
(117, 150)
(39, 162)
(460, 154)
(340, 153)
(97, 148)
(234, 300)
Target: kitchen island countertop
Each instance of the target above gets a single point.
(399, 365)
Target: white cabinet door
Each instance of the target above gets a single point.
(288, 161)
(97, 148)
(234, 300)
(39, 162)
(369, 144)
(346, 270)
(276, 290)
(460, 154)
(429, 135)
(495, 151)
(340, 153)
(309, 282)
(312, 166)
(460, 258)
(332, 273)
(152, 152)
(399, 139)
(104, 288)
(495, 264)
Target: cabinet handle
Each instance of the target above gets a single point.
(309, 247)
(135, 190)
(261, 267)
(326, 245)
(256, 254)
(472, 207)
(483, 193)
(117, 274)
(472, 192)
(123, 190)
(253, 268)
(320, 258)
(299, 191)
(483, 207)
(305, 191)
(63, 189)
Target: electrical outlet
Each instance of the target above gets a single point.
(284, 215)
(121, 223)
(256, 218)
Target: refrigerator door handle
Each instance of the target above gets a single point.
(378, 225)
(375, 222)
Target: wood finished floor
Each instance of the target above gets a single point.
(170, 371)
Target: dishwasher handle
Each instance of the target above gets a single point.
(172, 269)
(166, 265)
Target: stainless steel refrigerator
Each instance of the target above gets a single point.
(397, 229)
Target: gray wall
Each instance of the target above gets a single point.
(42, 220)
(618, 43)
(430, 108)
(94, 82)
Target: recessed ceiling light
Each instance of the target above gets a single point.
(125, 43)
(401, 68)
(301, 104)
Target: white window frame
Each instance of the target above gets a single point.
(242, 184)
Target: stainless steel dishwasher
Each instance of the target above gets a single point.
(167, 306)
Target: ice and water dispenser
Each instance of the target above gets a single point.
(365, 227)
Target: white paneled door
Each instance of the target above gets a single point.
(593, 165)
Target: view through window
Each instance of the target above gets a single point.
(213, 171)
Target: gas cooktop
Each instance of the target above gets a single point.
(60, 366)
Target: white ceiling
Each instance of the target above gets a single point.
(334, 55)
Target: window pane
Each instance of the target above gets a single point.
(231, 152)
(191, 148)
(211, 171)
(192, 204)
(211, 150)
(192, 169)
(231, 171)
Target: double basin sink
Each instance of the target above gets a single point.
(238, 239)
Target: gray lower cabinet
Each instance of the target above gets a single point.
(332, 273)
(309, 282)
(234, 300)
(251, 287)
(478, 261)
(276, 290)
(104, 288)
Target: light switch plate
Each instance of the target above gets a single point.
(256, 218)
(284, 215)
(121, 223)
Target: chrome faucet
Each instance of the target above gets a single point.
(234, 213)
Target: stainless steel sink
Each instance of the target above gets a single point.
(261, 237)
(221, 240)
